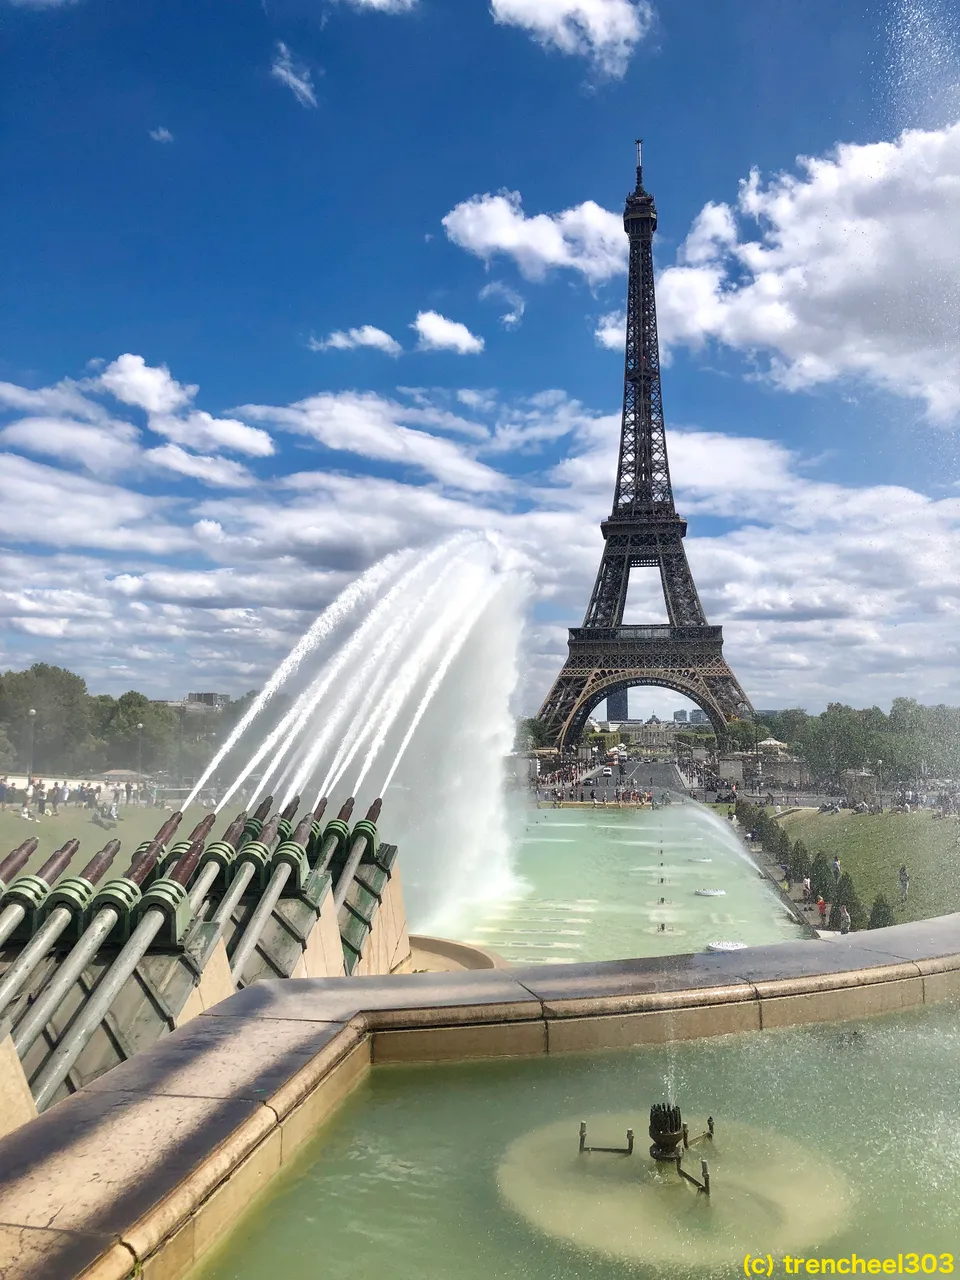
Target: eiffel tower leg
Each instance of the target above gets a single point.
(586, 680)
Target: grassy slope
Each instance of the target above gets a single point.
(135, 826)
(871, 847)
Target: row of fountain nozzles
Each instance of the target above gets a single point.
(23, 897)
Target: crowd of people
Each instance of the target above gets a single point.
(39, 799)
(595, 796)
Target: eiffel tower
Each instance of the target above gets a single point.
(606, 658)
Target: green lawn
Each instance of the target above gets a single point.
(135, 825)
(872, 847)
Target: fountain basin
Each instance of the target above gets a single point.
(216, 1108)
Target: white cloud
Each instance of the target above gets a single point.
(611, 330)
(585, 238)
(161, 135)
(295, 75)
(364, 336)
(64, 398)
(208, 470)
(169, 413)
(102, 449)
(368, 425)
(57, 508)
(495, 289)
(130, 379)
(437, 333)
(384, 6)
(855, 272)
(201, 431)
(606, 31)
(825, 590)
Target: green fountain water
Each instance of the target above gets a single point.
(608, 883)
(830, 1140)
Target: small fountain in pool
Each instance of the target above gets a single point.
(758, 1184)
(667, 1131)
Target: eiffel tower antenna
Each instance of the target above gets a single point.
(644, 530)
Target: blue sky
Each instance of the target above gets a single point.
(292, 285)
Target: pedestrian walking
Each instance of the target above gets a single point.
(844, 920)
(836, 870)
(904, 884)
(822, 908)
(807, 889)
(3, 792)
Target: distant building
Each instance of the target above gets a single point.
(698, 717)
(680, 717)
(617, 705)
(209, 699)
(197, 703)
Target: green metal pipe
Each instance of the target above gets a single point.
(28, 892)
(289, 859)
(255, 824)
(61, 905)
(72, 1043)
(16, 860)
(217, 857)
(116, 898)
(335, 837)
(364, 837)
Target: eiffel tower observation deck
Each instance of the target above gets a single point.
(644, 530)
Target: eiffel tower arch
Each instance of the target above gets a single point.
(643, 531)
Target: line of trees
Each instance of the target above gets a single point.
(800, 864)
(76, 733)
(913, 741)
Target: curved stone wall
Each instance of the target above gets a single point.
(143, 1170)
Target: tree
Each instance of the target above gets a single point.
(821, 876)
(62, 720)
(881, 913)
(846, 896)
(743, 735)
(531, 734)
(800, 863)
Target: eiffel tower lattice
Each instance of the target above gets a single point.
(686, 654)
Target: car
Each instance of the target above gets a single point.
(607, 771)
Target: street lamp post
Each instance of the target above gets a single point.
(31, 719)
(139, 759)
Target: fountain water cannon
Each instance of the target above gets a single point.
(16, 860)
(289, 860)
(123, 894)
(293, 853)
(252, 857)
(335, 837)
(217, 857)
(254, 825)
(169, 898)
(313, 845)
(168, 858)
(65, 904)
(287, 815)
(166, 903)
(20, 903)
(113, 905)
(363, 846)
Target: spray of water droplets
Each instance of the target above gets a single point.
(402, 688)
